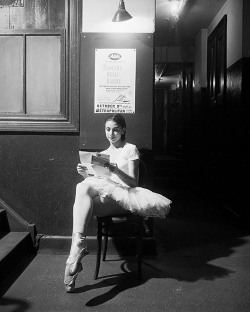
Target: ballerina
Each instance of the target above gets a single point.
(114, 195)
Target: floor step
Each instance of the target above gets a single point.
(13, 247)
(4, 223)
(2, 234)
(170, 172)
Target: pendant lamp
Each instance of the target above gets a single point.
(121, 14)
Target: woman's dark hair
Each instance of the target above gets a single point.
(118, 118)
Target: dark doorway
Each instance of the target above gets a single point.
(216, 102)
(173, 111)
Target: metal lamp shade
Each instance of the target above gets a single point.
(121, 14)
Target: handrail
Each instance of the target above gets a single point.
(14, 214)
(31, 227)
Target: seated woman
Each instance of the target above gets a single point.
(115, 195)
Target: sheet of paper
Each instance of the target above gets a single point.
(101, 171)
(100, 160)
(98, 171)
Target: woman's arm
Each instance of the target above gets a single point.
(130, 179)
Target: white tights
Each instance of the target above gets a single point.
(88, 203)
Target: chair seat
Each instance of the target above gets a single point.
(128, 218)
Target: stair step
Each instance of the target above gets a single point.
(2, 234)
(177, 150)
(13, 247)
(4, 223)
(170, 171)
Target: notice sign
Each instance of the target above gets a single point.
(115, 72)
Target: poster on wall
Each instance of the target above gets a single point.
(115, 73)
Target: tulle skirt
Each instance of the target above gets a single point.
(135, 199)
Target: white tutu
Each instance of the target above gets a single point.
(135, 199)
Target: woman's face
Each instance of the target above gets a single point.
(113, 131)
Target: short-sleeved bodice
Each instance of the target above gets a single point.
(128, 152)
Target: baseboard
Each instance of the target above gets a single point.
(121, 246)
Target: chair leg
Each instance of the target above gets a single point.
(105, 242)
(139, 249)
(99, 249)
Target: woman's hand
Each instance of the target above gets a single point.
(131, 178)
(112, 167)
(82, 170)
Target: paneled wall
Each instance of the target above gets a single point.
(38, 178)
(139, 124)
(33, 45)
(223, 177)
(35, 14)
(37, 169)
(30, 77)
(237, 143)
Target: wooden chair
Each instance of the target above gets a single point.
(128, 220)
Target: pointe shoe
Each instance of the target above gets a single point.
(69, 280)
(78, 251)
(74, 267)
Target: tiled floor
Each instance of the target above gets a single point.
(203, 265)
